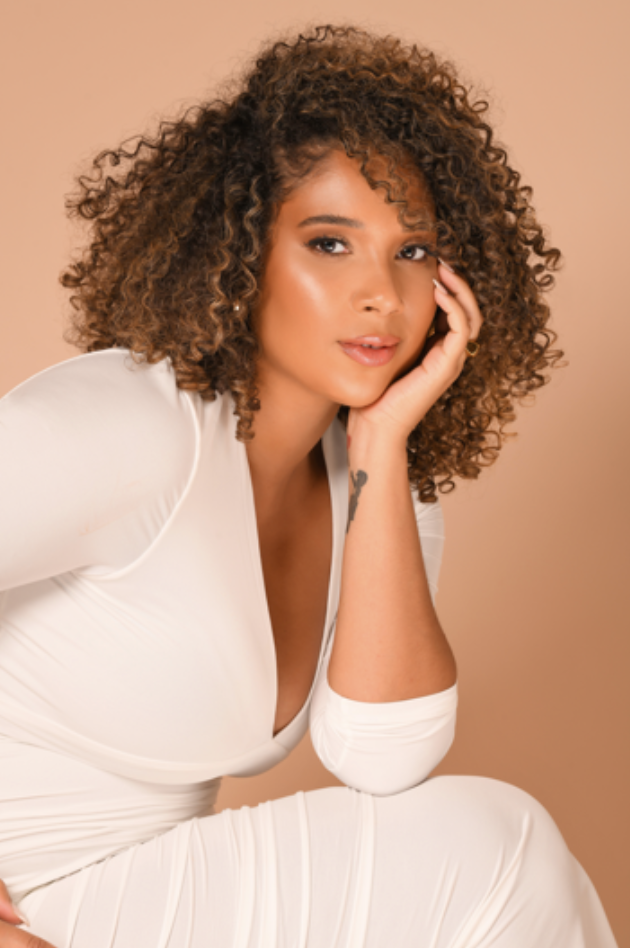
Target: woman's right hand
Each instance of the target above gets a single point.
(10, 936)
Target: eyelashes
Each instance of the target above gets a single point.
(427, 252)
(318, 244)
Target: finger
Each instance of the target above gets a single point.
(16, 938)
(8, 912)
(458, 288)
(454, 342)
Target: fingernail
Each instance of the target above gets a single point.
(446, 265)
(440, 286)
(22, 917)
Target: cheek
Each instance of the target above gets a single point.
(301, 303)
(303, 287)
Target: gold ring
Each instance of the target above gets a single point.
(472, 347)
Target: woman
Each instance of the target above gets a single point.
(214, 542)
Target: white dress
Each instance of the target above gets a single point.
(137, 667)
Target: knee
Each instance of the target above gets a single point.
(485, 812)
(485, 799)
(501, 846)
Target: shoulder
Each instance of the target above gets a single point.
(106, 377)
(107, 386)
(430, 521)
(106, 406)
(429, 516)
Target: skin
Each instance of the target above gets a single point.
(323, 284)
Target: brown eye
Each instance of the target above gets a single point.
(328, 245)
(414, 252)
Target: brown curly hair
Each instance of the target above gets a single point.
(179, 231)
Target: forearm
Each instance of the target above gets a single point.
(389, 645)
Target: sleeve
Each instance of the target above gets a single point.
(93, 456)
(384, 748)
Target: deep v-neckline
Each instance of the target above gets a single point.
(336, 482)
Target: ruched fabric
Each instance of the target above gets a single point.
(456, 862)
(138, 667)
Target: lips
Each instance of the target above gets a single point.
(370, 350)
(376, 341)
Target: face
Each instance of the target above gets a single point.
(347, 296)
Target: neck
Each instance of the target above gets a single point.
(287, 431)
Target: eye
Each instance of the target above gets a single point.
(328, 245)
(415, 252)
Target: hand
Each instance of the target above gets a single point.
(407, 400)
(7, 911)
(10, 936)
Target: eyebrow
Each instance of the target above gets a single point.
(331, 219)
(424, 225)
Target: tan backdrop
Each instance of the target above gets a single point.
(533, 591)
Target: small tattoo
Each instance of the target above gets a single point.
(358, 483)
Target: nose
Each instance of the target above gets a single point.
(377, 291)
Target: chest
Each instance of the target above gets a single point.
(212, 638)
(295, 549)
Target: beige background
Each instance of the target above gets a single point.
(534, 585)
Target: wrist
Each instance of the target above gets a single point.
(373, 442)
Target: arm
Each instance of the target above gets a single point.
(389, 645)
(387, 747)
(90, 450)
(92, 458)
(385, 717)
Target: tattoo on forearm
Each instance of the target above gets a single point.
(358, 483)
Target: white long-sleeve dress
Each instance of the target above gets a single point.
(137, 667)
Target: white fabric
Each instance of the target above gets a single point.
(137, 667)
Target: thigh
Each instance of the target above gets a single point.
(250, 878)
(176, 890)
(457, 862)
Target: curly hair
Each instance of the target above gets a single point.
(179, 230)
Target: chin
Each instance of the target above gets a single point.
(360, 395)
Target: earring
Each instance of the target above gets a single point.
(236, 307)
(431, 329)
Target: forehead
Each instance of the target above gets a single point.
(335, 184)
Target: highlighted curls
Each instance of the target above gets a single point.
(179, 223)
